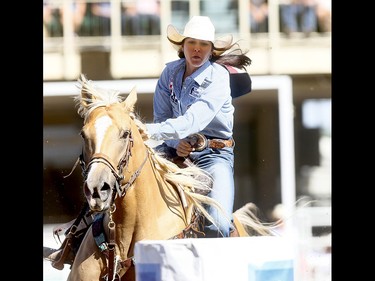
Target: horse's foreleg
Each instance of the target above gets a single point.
(89, 263)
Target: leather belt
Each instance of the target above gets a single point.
(200, 142)
(219, 143)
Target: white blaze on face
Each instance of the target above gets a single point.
(101, 126)
(94, 179)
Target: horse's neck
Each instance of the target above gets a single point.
(159, 205)
(151, 209)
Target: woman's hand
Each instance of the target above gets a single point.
(184, 148)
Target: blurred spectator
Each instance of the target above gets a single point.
(102, 18)
(129, 19)
(52, 20)
(149, 15)
(141, 17)
(79, 10)
(183, 5)
(258, 16)
(298, 16)
(53, 17)
(96, 19)
(323, 12)
(233, 6)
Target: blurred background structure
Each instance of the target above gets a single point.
(122, 43)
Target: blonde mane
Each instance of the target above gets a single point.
(96, 97)
(191, 180)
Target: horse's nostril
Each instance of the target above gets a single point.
(95, 194)
(105, 187)
(97, 191)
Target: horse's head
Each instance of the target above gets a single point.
(107, 141)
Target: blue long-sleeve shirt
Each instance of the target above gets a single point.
(202, 103)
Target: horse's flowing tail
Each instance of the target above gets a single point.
(250, 222)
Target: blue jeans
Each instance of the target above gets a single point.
(298, 18)
(219, 163)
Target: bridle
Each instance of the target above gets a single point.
(108, 249)
(117, 171)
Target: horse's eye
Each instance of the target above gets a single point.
(125, 134)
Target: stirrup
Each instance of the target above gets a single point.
(50, 254)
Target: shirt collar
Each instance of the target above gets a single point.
(202, 73)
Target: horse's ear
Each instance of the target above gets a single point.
(86, 89)
(81, 99)
(130, 100)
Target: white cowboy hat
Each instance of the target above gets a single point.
(201, 28)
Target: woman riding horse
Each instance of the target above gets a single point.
(132, 192)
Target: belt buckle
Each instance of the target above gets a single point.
(198, 141)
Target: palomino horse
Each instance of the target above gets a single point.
(135, 193)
